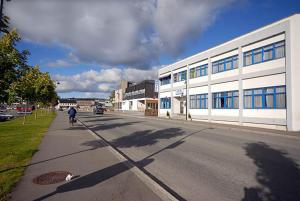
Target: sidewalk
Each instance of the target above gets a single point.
(100, 174)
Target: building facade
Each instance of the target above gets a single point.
(119, 94)
(137, 96)
(252, 80)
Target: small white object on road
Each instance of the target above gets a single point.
(69, 177)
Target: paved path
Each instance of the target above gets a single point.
(101, 175)
(202, 161)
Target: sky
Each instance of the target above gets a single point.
(89, 46)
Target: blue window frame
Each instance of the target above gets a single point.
(165, 103)
(198, 101)
(226, 64)
(198, 71)
(226, 100)
(266, 53)
(180, 76)
(165, 80)
(265, 98)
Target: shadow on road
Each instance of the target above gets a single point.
(111, 126)
(146, 137)
(102, 119)
(277, 174)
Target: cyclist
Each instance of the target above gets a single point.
(72, 113)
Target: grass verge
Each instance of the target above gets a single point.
(18, 143)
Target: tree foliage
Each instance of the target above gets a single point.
(13, 63)
(34, 86)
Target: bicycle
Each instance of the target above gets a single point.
(72, 120)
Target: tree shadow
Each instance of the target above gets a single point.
(111, 126)
(146, 137)
(94, 144)
(104, 119)
(75, 127)
(277, 174)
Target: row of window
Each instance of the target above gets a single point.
(226, 64)
(165, 80)
(165, 103)
(180, 76)
(266, 53)
(198, 71)
(261, 98)
(262, 54)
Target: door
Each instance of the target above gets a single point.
(181, 107)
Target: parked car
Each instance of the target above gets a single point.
(24, 109)
(5, 117)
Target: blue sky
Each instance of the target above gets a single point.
(73, 59)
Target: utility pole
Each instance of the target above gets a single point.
(186, 99)
(1, 9)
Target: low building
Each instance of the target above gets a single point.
(119, 94)
(65, 103)
(252, 80)
(85, 104)
(140, 97)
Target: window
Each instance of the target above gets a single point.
(165, 103)
(226, 64)
(266, 53)
(226, 100)
(198, 71)
(181, 76)
(165, 80)
(265, 98)
(198, 101)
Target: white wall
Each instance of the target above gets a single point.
(265, 113)
(223, 56)
(295, 73)
(164, 87)
(198, 80)
(225, 74)
(264, 43)
(272, 64)
(225, 112)
(265, 81)
(200, 112)
(198, 90)
(125, 105)
(226, 86)
(164, 94)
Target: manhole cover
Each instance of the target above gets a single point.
(51, 178)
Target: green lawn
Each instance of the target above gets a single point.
(18, 143)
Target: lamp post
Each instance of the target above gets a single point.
(186, 115)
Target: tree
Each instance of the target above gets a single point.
(12, 62)
(34, 86)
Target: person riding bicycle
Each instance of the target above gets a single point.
(72, 113)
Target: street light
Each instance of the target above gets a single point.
(186, 115)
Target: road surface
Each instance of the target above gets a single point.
(197, 161)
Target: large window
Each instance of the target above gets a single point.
(198, 71)
(165, 80)
(165, 103)
(266, 53)
(265, 98)
(226, 64)
(226, 100)
(181, 76)
(198, 101)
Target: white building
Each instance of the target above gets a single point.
(252, 80)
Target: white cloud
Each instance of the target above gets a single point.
(127, 32)
(101, 82)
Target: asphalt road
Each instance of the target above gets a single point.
(199, 162)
